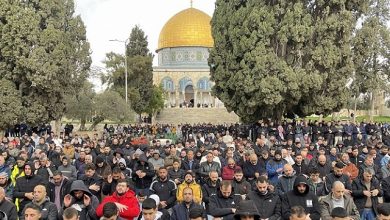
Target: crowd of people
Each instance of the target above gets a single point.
(290, 170)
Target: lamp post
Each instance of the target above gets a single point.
(125, 43)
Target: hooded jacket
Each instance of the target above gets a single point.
(306, 199)
(246, 208)
(128, 199)
(26, 184)
(269, 205)
(86, 213)
(142, 183)
(220, 206)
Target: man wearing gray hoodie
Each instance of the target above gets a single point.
(82, 200)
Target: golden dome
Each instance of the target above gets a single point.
(190, 27)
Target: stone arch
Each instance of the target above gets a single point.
(204, 84)
(184, 82)
(167, 84)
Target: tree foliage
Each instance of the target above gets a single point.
(110, 105)
(273, 58)
(371, 47)
(81, 105)
(140, 71)
(156, 102)
(44, 53)
(10, 104)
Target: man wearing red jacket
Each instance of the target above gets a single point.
(124, 199)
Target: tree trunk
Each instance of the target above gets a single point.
(57, 126)
(321, 118)
(372, 106)
(83, 121)
(355, 109)
(95, 122)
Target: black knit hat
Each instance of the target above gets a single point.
(247, 207)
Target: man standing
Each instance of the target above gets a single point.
(365, 191)
(286, 181)
(268, 204)
(143, 174)
(32, 212)
(182, 210)
(81, 199)
(124, 199)
(384, 211)
(48, 209)
(208, 166)
(337, 175)
(189, 181)
(301, 196)
(338, 198)
(7, 207)
(246, 210)
(25, 186)
(59, 188)
(224, 203)
(210, 187)
(150, 210)
(164, 188)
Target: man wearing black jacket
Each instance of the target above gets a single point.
(386, 189)
(63, 184)
(210, 188)
(165, 188)
(143, 174)
(7, 207)
(224, 204)
(24, 186)
(268, 204)
(300, 196)
(182, 210)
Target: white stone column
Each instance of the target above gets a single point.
(201, 99)
(169, 100)
(177, 98)
(195, 98)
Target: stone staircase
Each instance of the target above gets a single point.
(196, 115)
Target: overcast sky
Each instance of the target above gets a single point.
(114, 19)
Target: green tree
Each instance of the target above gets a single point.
(140, 71)
(80, 106)
(10, 104)
(110, 105)
(156, 102)
(44, 53)
(371, 47)
(275, 58)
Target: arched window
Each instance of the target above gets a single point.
(167, 84)
(184, 82)
(204, 84)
